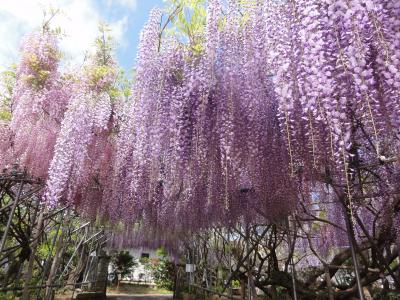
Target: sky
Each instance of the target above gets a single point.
(79, 21)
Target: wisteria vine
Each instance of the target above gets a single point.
(284, 98)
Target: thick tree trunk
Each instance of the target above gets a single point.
(59, 251)
(328, 283)
(243, 289)
(35, 243)
(77, 271)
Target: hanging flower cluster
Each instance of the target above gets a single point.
(5, 144)
(79, 170)
(39, 100)
(137, 237)
(203, 144)
(339, 80)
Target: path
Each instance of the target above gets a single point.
(139, 297)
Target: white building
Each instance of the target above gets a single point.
(140, 272)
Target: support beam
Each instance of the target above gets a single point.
(10, 217)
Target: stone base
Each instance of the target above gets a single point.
(91, 296)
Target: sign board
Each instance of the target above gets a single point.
(190, 268)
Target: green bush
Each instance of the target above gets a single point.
(163, 271)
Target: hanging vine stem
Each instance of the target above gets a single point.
(365, 94)
(289, 142)
(312, 140)
(322, 112)
(348, 190)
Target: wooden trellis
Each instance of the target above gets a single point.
(43, 249)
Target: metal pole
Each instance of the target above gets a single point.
(293, 279)
(230, 263)
(248, 262)
(7, 229)
(290, 244)
(352, 242)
